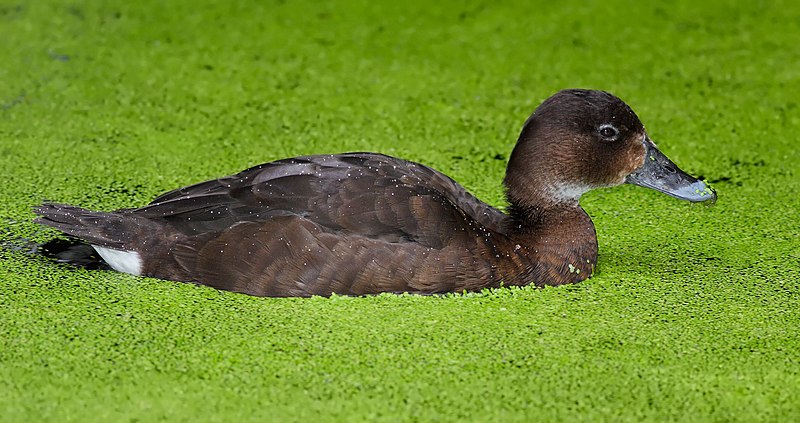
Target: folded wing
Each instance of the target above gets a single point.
(366, 194)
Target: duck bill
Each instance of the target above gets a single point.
(660, 174)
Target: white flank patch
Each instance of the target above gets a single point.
(121, 261)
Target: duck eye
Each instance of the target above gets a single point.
(608, 131)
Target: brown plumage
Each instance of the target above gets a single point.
(364, 223)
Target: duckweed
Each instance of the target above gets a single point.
(692, 312)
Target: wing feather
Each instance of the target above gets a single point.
(367, 194)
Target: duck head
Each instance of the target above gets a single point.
(578, 140)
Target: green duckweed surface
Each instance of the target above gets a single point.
(693, 314)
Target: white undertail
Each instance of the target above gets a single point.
(121, 261)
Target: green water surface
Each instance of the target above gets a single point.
(693, 314)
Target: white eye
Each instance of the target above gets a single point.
(608, 131)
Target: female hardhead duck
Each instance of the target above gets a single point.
(365, 223)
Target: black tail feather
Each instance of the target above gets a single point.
(99, 228)
(72, 251)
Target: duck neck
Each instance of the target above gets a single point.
(559, 239)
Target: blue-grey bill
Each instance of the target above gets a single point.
(661, 174)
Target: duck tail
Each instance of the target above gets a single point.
(97, 228)
(71, 251)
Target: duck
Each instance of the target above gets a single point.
(366, 223)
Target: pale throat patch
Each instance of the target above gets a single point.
(121, 261)
(568, 192)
